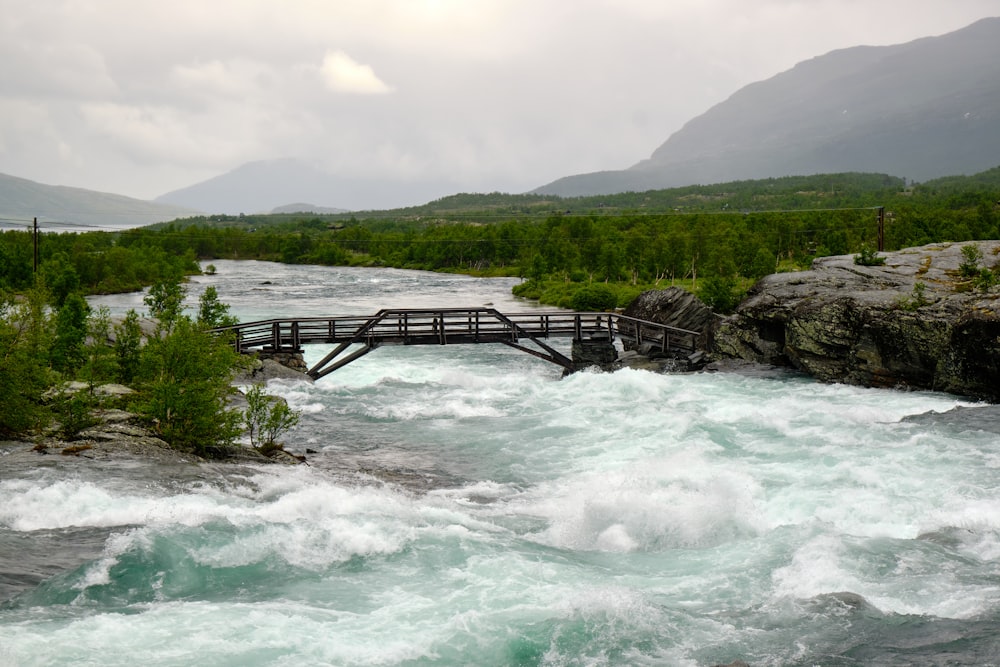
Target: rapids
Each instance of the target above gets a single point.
(468, 505)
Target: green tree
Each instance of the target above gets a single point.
(99, 356)
(127, 346)
(24, 363)
(184, 378)
(165, 301)
(719, 293)
(595, 297)
(212, 312)
(71, 334)
(266, 418)
(60, 277)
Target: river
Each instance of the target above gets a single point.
(501, 514)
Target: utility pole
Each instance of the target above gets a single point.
(881, 228)
(35, 236)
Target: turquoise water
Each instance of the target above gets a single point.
(468, 506)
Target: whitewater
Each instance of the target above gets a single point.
(469, 505)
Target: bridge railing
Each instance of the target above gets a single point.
(455, 325)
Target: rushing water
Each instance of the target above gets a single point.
(495, 513)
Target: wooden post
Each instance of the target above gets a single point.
(35, 240)
(881, 228)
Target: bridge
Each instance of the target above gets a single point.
(454, 326)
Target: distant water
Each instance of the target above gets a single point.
(468, 506)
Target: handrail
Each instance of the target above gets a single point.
(441, 326)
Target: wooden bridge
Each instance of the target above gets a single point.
(451, 326)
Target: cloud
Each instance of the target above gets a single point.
(343, 74)
(483, 94)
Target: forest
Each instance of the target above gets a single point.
(585, 254)
(715, 240)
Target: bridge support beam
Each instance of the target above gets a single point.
(593, 352)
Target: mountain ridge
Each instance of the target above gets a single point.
(922, 109)
(22, 200)
(265, 185)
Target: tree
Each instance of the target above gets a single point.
(165, 301)
(184, 377)
(99, 362)
(719, 293)
(71, 334)
(127, 346)
(213, 313)
(24, 367)
(595, 297)
(266, 418)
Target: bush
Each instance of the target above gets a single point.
(185, 380)
(266, 418)
(972, 256)
(719, 293)
(868, 257)
(595, 297)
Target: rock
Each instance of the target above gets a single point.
(593, 353)
(116, 390)
(264, 369)
(675, 307)
(871, 325)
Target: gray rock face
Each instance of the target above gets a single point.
(677, 308)
(914, 322)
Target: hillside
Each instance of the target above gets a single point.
(266, 185)
(58, 206)
(919, 110)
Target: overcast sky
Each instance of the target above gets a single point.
(140, 97)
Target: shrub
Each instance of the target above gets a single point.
(719, 293)
(868, 257)
(972, 256)
(917, 298)
(266, 418)
(595, 297)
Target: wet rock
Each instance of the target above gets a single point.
(675, 307)
(873, 326)
(266, 368)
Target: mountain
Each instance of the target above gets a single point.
(920, 110)
(60, 207)
(300, 207)
(262, 186)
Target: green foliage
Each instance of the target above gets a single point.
(127, 346)
(266, 418)
(720, 293)
(184, 379)
(61, 277)
(212, 312)
(100, 363)
(24, 368)
(71, 334)
(74, 411)
(972, 255)
(985, 280)
(594, 297)
(917, 298)
(868, 257)
(165, 301)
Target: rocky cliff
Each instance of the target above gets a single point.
(918, 321)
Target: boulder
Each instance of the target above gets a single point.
(265, 368)
(677, 308)
(913, 322)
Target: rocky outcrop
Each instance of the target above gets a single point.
(914, 322)
(677, 308)
(288, 366)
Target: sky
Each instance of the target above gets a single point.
(141, 97)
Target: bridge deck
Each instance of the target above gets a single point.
(452, 326)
